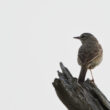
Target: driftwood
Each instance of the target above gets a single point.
(77, 96)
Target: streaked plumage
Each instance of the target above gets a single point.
(90, 54)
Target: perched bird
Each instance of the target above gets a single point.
(90, 54)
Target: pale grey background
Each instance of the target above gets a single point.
(35, 35)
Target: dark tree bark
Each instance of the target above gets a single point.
(75, 96)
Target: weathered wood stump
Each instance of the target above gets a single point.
(75, 96)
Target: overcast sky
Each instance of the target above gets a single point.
(35, 35)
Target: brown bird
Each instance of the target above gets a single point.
(89, 55)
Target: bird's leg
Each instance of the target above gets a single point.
(92, 76)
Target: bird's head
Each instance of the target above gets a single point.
(86, 37)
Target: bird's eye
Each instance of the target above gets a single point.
(83, 36)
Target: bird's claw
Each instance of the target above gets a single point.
(92, 81)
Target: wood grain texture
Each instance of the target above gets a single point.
(75, 96)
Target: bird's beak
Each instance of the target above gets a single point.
(77, 37)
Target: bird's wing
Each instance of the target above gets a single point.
(86, 55)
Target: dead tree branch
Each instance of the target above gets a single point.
(77, 96)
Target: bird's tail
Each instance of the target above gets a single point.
(82, 74)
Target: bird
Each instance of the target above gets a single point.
(90, 54)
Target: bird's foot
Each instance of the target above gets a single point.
(92, 81)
